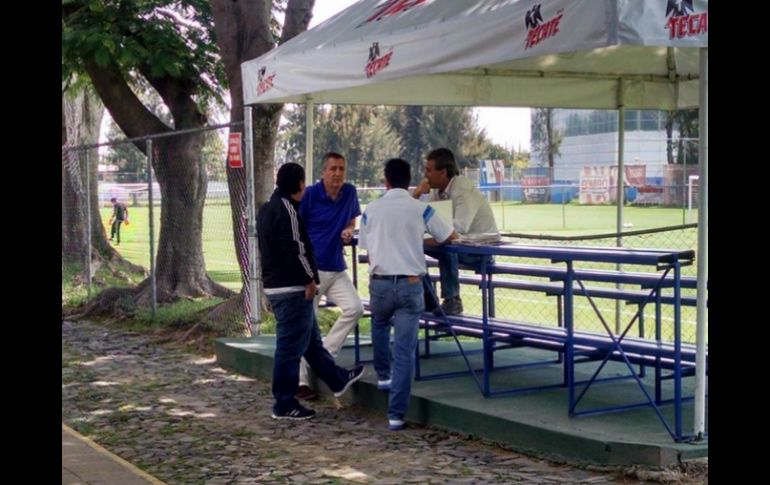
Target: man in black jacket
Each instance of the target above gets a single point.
(290, 276)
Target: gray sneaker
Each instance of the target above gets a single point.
(451, 306)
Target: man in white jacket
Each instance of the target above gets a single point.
(471, 215)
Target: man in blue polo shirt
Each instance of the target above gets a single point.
(329, 209)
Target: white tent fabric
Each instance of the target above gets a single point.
(485, 53)
(597, 54)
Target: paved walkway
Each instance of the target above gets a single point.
(85, 462)
(183, 419)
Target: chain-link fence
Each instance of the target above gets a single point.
(584, 175)
(526, 210)
(177, 215)
(571, 224)
(538, 308)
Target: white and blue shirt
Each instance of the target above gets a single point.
(392, 231)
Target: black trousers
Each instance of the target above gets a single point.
(115, 231)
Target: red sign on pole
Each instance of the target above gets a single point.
(234, 159)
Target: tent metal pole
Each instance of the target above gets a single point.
(619, 185)
(703, 252)
(309, 126)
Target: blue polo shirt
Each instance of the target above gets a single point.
(325, 219)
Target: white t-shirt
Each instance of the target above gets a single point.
(392, 229)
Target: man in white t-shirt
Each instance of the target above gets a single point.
(392, 230)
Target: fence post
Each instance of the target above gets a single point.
(502, 196)
(153, 287)
(684, 192)
(254, 269)
(563, 208)
(703, 251)
(620, 186)
(88, 226)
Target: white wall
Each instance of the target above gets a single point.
(641, 147)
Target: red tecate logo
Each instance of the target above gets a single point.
(537, 30)
(683, 22)
(265, 82)
(376, 63)
(392, 7)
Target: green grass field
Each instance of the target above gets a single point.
(218, 249)
(573, 219)
(550, 219)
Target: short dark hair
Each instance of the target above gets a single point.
(398, 173)
(443, 158)
(113, 200)
(329, 155)
(289, 177)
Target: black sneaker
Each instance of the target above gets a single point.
(299, 413)
(451, 306)
(353, 375)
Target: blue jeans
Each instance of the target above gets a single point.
(296, 336)
(448, 266)
(397, 303)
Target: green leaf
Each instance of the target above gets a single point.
(102, 56)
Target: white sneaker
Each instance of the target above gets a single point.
(383, 385)
(396, 424)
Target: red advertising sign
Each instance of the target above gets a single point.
(234, 158)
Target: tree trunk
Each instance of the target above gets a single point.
(414, 136)
(265, 130)
(73, 230)
(244, 33)
(181, 270)
(82, 114)
(551, 142)
(670, 137)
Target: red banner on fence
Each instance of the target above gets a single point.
(234, 159)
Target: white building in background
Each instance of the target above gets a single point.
(590, 138)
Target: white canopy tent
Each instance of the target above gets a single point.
(598, 54)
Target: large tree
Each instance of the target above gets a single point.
(244, 31)
(166, 45)
(407, 121)
(360, 133)
(546, 140)
(369, 135)
(423, 128)
(81, 118)
(82, 114)
(685, 122)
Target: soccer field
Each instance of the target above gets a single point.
(573, 219)
(550, 219)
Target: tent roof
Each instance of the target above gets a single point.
(561, 53)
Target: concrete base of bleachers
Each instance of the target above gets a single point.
(535, 423)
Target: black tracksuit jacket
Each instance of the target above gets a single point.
(284, 246)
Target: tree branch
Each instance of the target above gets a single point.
(298, 15)
(124, 106)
